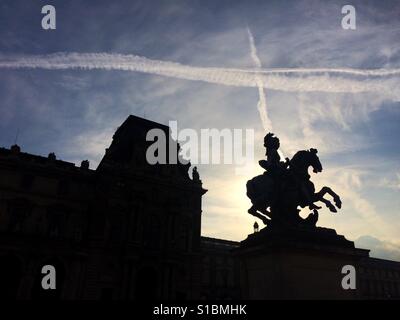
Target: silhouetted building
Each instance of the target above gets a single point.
(219, 270)
(127, 230)
(379, 279)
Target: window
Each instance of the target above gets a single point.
(63, 187)
(153, 233)
(19, 209)
(27, 181)
(117, 224)
(78, 234)
(57, 217)
(133, 225)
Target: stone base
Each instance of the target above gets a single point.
(296, 263)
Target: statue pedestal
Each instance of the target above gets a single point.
(296, 263)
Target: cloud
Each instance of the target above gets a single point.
(391, 183)
(95, 142)
(379, 248)
(73, 83)
(358, 213)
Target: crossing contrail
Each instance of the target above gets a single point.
(341, 80)
(262, 102)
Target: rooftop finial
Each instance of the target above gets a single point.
(52, 156)
(15, 149)
(195, 175)
(85, 164)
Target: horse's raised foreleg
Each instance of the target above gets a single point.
(254, 211)
(328, 204)
(334, 195)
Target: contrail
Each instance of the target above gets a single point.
(342, 80)
(262, 102)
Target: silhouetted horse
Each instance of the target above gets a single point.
(283, 191)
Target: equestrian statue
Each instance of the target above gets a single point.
(277, 194)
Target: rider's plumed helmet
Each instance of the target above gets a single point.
(271, 142)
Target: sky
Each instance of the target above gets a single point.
(213, 64)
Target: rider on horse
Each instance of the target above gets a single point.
(277, 193)
(273, 165)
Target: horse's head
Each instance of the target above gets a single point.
(304, 159)
(314, 160)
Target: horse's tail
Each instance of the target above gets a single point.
(253, 188)
(250, 192)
